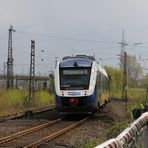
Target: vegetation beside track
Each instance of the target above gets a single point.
(136, 100)
(13, 101)
(44, 99)
(91, 144)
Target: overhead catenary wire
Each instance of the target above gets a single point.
(64, 37)
(104, 50)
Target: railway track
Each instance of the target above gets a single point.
(45, 132)
(56, 134)
(17, 135)
(107, 116)
(27, 113)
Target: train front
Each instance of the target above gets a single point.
(74, 94)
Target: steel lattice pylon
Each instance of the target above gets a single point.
(10, 60)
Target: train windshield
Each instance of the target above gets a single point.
(74, 79)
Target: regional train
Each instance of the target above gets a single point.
(81, 85)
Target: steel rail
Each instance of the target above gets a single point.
(26, 132)
(21, 115)
(44, 109)
(56, 134)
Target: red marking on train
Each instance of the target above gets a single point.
(73, 101)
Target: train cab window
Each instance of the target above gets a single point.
(74, 78)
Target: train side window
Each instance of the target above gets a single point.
(99, 81)
(107, 84)
(104, 83)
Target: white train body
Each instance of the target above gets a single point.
(79, 85)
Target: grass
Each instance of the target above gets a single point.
(44, 99)
(134, 95)
(137, 95)
(91, 144)
(13, 101)
(116, 129)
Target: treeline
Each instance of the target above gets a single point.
(116, 80)
(135, 76)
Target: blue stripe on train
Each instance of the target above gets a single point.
(91, 99)
(58, 99)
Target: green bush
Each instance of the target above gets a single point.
(132, 107)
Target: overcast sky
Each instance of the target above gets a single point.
(69, 27)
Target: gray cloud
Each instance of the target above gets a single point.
(54, 23)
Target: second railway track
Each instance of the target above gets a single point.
(28, 113)
(39, 134)
(13, 137)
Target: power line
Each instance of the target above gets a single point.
(65, 38)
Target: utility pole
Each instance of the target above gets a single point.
(124, 89)
(10, 60)
(124, 61)
(32, 73)
(4, 70)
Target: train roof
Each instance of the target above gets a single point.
(84, 57)
(77, 61)
(81, 60)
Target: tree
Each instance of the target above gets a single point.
(115, 83)
(144, 82)
(134, 69)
